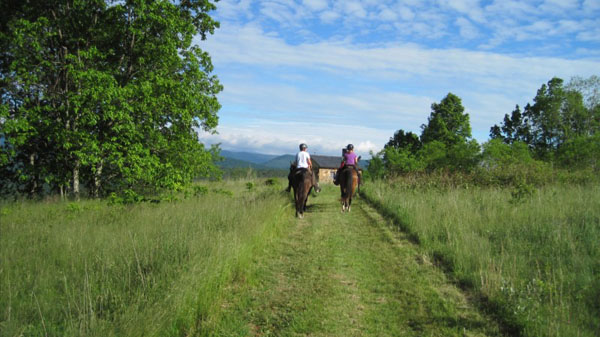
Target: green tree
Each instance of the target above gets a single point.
(447, 122)
(446, 137)
(514, 129)
(376, 168)
(109, 94)
(497, 153)
(589, 88)
(401, 160)
(557, 116)
(580, 152)
(404, 140)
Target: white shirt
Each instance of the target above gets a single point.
(302, 159)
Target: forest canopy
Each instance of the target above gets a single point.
(105, 95)
(559, 129)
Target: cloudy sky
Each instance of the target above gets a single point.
(333, 72)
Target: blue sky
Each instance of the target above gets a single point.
(329, 72)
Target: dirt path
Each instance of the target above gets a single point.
(333, 274)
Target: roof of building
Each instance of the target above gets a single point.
(326, 161)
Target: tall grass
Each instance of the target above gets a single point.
(533, 254)
(94, 269)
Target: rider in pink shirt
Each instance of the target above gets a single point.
(349, 158)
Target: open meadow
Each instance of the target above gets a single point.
(93, 269)
(532, 254)
(230, 258)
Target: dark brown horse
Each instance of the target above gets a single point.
(303, 181)
(348, 183)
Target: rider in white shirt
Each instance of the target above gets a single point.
(303, 158)
(302, 162)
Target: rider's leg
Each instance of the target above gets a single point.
(359, 174)
(290, 175)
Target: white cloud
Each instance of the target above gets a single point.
(329, 16)
(315, 5)
(354, 8)
(235, 11)
(559, 6)
(591, 5)
(467, 29)
(406, 13)
(279, 12)
(387, 14)
(282, 138)
(471, 8)
(334, 90)
(251, 46)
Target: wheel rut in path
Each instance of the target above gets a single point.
(352, 274)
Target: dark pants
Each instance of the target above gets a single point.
(336, 181)
(293, 171)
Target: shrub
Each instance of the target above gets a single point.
(200, 190)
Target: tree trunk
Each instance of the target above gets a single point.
(34, 185)
(97, 181)
(76, 180)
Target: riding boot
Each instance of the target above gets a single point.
(336, 178)
(359, 175)
(290, 177)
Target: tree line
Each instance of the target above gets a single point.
(104, 95)
(559, 129)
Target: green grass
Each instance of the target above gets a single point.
(93, 269)
(234, 261)
(333, 274)
(532, 253)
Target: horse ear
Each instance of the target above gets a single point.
(359, 157)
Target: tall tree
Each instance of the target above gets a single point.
(589, 88)
(447, 122)
(110, 94)
(514, 128)
(557, 115)
(404, 140)
(446, 137)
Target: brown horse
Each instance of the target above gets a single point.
(303, 181)
(348, 183)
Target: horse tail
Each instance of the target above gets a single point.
(347, 181)
(301, 191)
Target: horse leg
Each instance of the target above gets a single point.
(298, 203)
(307, 194)
(305, 201)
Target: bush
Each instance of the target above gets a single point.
(200, 190)
(401, 161)
(579, 153)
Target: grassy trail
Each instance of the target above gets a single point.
(333, 274)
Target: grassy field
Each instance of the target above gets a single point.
(352, 274)
(93, 269)
(533, 254)
(233, 261)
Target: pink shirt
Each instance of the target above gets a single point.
(350, 158)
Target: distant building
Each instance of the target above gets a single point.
(326, 167)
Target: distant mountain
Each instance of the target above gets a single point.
(256, 158)
(234, 163)
(280, 162)
(260, 161)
